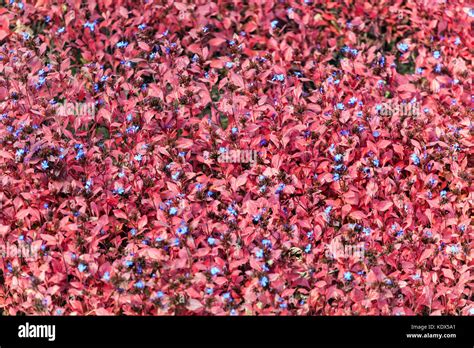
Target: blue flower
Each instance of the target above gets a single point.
(140, 284)
(336, 177)
(416, 160)
(267, 243)
(142, 26)
(457, 41)
(340, 106)
(106, 276)
(338, 157)
(376, 134)
(263, 142)
(79, 155)
(215, 270)
(274, 24)
(352, 101)
(403, 47)
(133, 231)
(82, 267)
(280, 188)
(122, 44)
(376, 162)
(366, 230)
(348, 276)
(234, 130)
(88, 184)
(278, 77)
(209, 291)
(211, 241)
(307, 249)
(138, 157)
(90, 25)
(264, 281)
(327, 210)
(44, 165)
(173, 211)
(259, 253)
(436, 54)
(61, 30)
(231, 210)
(229, 65)
(120, 190)
(183, 229)
(443, 194)
(176, 175)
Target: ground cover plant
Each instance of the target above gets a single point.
(236, 157)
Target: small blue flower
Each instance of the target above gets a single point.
(209, 291)
(120, 190)
(142, 26)
(231, 210)
(274, 24)
(338, 157)
(457, 41)
(173, 211)
(415, 159)
(138, 157)
(61, 30)
(234, 130)
(267, 243)
(176, 175)
(336, 177)
(215, 271)
(183, 229)
(106, 276)
(348, 276)
(443, 194)
(280, 188)
(229, 65)
(82, 267)
(259, 253)
(278, 77)
(140, 284)
(376, 162)
(211, 241)
(307, 248)
(403, 47)
(122, 44)
(44, 165)
(376, 134)
(436, 54)
(264, 281)
(352, 101)
(263, 142)
(340, 106)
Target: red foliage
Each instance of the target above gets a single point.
(236, 157)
